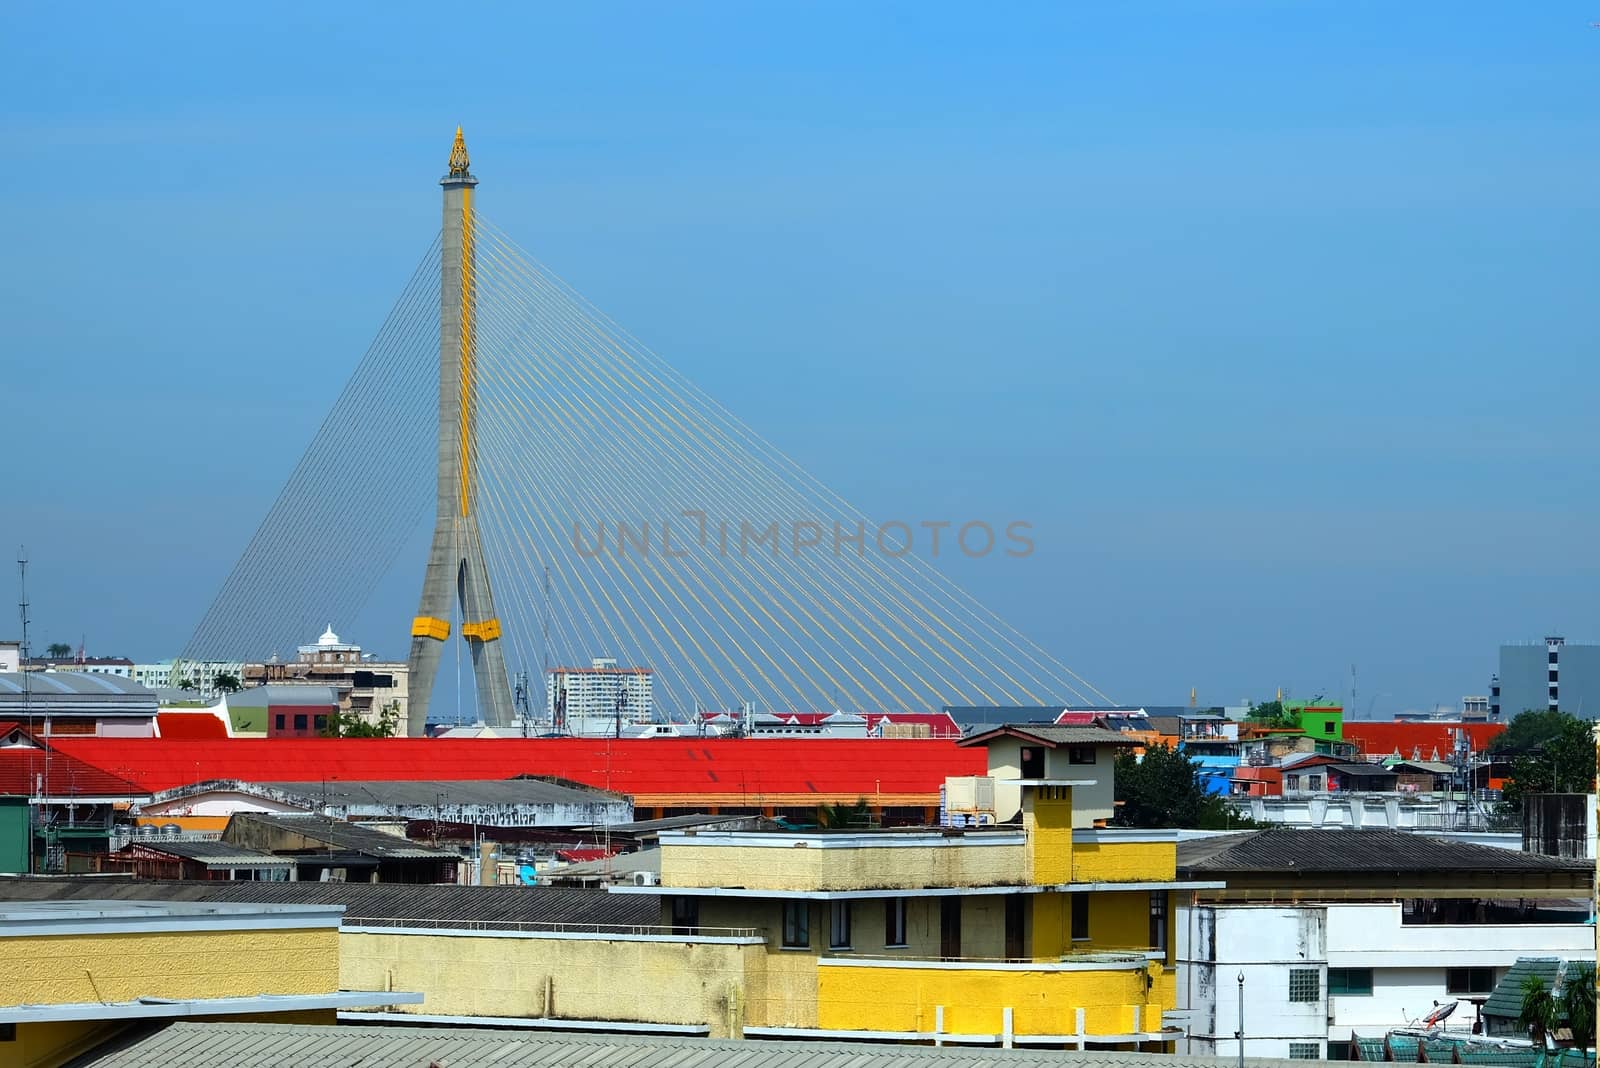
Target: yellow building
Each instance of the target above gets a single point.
(74, 974)
(1039, 934)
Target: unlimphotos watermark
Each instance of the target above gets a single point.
(695, 531)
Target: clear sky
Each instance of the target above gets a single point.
(1277, 320)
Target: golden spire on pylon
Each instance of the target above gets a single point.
(458, 156)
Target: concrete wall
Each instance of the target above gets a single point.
(60, 969)
(843, 861)
(670, 980)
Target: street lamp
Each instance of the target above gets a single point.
(1239, 1034)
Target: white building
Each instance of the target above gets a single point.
(201, 675)
(1314, 975)
(590, 700)
(1384, 927)
(10, 657)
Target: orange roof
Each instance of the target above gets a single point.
(190, 725)
(1382, 739)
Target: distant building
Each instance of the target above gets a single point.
(70, 703)
(195, 678)
(590, 700)
(10, 656)
(363, 686)
(1554, 673)
(120, 666)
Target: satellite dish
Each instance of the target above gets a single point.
(1439, 1014)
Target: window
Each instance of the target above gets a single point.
(1552, 658)
(278, 721)
(1468, 980)
(797, 924)
(299, 721)
(950, 927)
(1305, 984)
(1158, 920)
(1341, 1051)
(1327, 728)
(321, 723)
(685, 915)
(1305, 1051)
(1293, 782)
(1032, 762)
(1313, 782)
(1349, 981)
(839, 925)
(894, 921)
(1552, 674)
(1080, 917)
(1080, 754)
(8, 1032)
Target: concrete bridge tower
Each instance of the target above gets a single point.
(457, 574)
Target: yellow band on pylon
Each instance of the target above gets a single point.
(429, 627)
(487, 631)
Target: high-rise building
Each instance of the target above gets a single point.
(592, 700)
(1554, 673)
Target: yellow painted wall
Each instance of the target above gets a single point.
(659, 982)
(61, 969)
(904, 999)
(863, 868)
(1110, 862)
(1047, 820)
(65, 969)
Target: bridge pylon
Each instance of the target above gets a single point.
(457, 575)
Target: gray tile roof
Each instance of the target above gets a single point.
(345, 836)
(258, 1045)
(1053, 735)
(1284, 849)
(386, 901)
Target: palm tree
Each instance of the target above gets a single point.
(1541, 1012)
(1577, 1004)
(58, 649)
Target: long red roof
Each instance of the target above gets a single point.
(743, 771)
(25, 771)
(1382, 739)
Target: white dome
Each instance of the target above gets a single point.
(328, 637)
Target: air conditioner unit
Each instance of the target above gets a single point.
(645, 878)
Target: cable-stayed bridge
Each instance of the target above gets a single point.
(589, 499)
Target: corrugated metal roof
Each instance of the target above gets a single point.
(343, 835)
(211, 852)
(258, 1045)
(430, 792)
(1284, 849)
(733, 771)
(388, 901)
(45, 683)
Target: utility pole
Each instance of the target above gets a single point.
(27, 712)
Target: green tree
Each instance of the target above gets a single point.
(58, 649)
(1540, 1012)
(184, 683)
(1557, 756)
(226, 683)
(346, 725)
(1529, 731)
(1273, 714)
(1577, 1003)
(844, 817)
(1164, 790)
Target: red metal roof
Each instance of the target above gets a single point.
(732, 771)
(190, 725)
(1383, 739)
(24, 771)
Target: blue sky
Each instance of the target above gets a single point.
(1276, 320)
